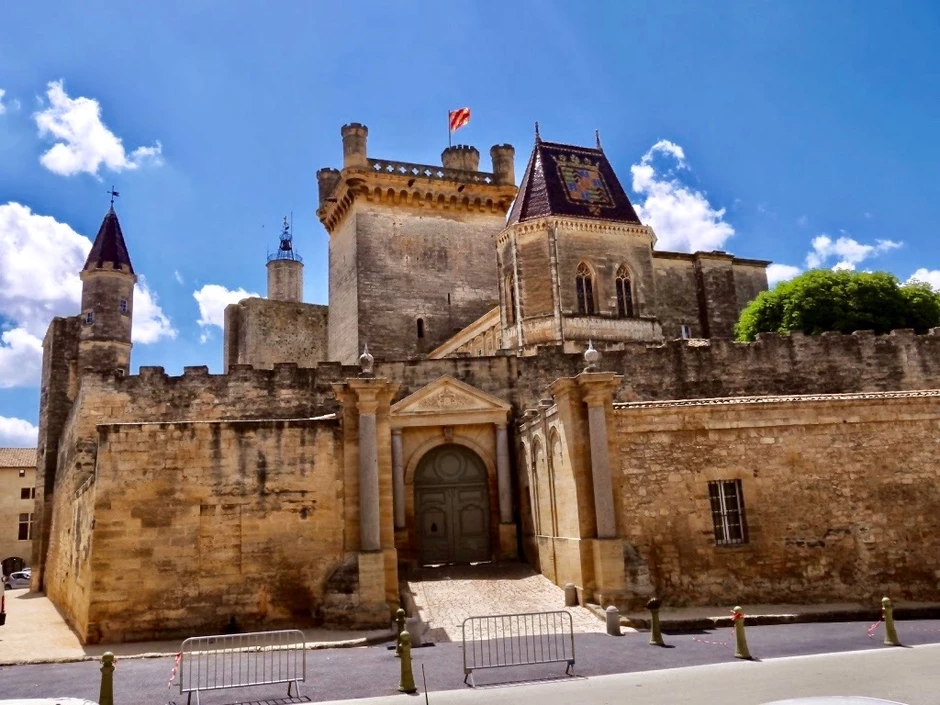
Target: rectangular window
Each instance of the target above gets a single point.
(727, 503)
(22, 472)
(685, 332)
(124, 305)
(27, 492)
(89, 317)
(26, 527)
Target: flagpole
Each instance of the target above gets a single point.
(449, 133)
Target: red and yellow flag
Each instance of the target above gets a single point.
(459, 118)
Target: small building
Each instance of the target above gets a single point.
(17, 498)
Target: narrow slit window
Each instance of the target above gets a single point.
(511, 299)
(727, 505)
(420, 327)
(89, 317)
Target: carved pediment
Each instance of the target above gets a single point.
(449, 397)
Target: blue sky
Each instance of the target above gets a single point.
(802, 132)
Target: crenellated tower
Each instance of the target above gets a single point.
(108, 280)
(411, 246)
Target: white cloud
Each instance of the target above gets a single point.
(39, 279)
(781, 272)
(20, 358)
(17, 433)
(847, 251)
(84, 142)
(3, 108)
(178, 277)
(930, 276)
(683, 218)
(150, 323)
(212, 300)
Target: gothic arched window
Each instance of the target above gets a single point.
(584, 283)
(624, 293)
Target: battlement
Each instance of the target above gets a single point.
(773, 365)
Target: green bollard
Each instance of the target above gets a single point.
(407, 682)
(740, 641)
(656, 635)
(106, 694)
(400, 623)
(891, 634)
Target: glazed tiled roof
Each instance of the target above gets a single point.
(109, 247)
(566, 180)
(17, 457)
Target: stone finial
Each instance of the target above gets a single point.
(366, 362)
(591, 357)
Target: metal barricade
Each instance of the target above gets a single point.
(526, 639)
(242, 660)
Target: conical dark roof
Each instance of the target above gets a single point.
(109, 247)
(566, 180)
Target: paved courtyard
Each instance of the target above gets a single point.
(445, 596)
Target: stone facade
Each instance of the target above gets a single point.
(17, 494)
(300, 484)
(834, 497)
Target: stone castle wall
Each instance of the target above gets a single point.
(196, 523)
(265, 332)
(773, 365)
(838, 494)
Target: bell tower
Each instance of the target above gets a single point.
(108, 280)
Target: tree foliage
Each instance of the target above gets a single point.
(845, 301)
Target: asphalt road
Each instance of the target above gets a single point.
(337, 674)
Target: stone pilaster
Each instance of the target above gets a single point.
(370, 528)
(398, 479)
(502, 474)
(597, 389)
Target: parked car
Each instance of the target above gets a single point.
(19, 579)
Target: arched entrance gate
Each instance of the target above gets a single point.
(452, 507)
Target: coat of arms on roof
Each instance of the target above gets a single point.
(583, 181)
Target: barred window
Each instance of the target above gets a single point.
(123, 305)
(727, 504)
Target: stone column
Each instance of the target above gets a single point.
(597, 388)
(398, 479)
(370, 537)
(502, 474)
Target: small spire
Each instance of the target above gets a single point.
(113, 195)
(538, 137)
(597, 136)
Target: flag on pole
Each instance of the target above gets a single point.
(459, 118)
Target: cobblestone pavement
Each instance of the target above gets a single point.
(446, 596)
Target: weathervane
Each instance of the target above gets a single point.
(113, 195)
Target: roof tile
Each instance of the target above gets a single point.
(17, 457)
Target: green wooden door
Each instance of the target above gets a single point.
(452, 507)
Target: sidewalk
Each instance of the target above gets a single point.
(683, 619)
(35, 632)
(899, 675)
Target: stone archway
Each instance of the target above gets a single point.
(11, 565)
(452, 507)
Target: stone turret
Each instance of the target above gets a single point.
(326, 180)
(503, 156)
(108, 280)
(286, 270)
(461, 156)
(355, 136)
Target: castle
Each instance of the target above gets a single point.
(501, 374)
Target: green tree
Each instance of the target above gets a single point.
(822, 300)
